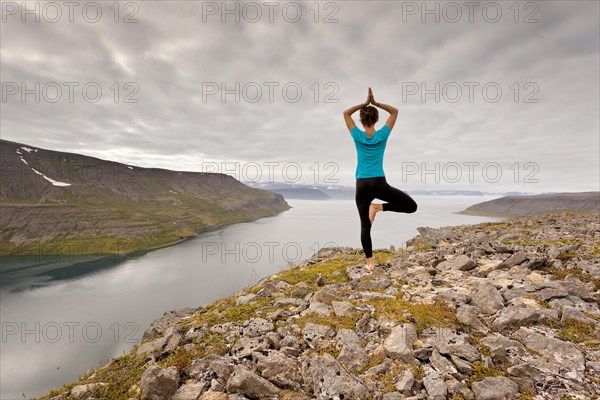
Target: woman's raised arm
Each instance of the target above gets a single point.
(391, 121)
(348, 113)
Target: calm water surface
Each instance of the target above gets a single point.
(63, 316)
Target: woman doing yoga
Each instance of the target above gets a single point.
(370, 178)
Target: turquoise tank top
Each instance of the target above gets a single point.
(369, 151)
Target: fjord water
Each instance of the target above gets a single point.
(64, 315)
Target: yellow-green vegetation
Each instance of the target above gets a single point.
(560, 274)
(480, 372)
(422, 315)
(526, 241)
(122, 376)
(330, 348)
(333, 321)
(501, 226)
(225, 310)
(332, 270)
(418, 371)
(573, 330)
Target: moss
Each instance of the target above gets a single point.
(421, 314)
(332, 270)
(329, 348)
(332, 321)
(484, 350)
(374, 360)
(573, 330)
(480, 372)
(225, 310)
(180, 358)
(418, 372)
(560, 274)
(121, 375)
(568, 255)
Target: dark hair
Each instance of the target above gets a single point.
(369, 115)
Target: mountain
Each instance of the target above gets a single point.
(347, 192)
(55, 202)
(302, 193)
(536, 204)
(487, 311)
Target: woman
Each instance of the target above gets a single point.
(370, 178)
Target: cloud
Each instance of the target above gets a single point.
(171, 54)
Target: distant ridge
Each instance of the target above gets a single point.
(537, 204)
(347, 192)
(54, 202)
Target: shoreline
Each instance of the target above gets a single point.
(333, 273)
(142, 251)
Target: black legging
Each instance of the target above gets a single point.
(367, 189)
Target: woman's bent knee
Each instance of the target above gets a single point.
(413, 209)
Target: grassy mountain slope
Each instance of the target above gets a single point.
(76, 204)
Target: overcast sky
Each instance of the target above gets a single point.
(543, 56)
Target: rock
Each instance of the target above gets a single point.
(315, 334)
(525, 371)
(463, 366)
(343, 308)
(495, 388)
(245, 299)
(548, 293)
(575, 287)
(327, 295)
(217, 386)
(325, 378)
(319, 280)
(435, 236)
(256, 327)
(158, 383)
(405, 381)
(222, 367)
(352, 355)
(442, 364)
(316, 307)
(289, 301)
(245, 346)
(392, 396)
(212, 395)
(84, 392)
(247, 383)
(169, 318)
(502, 347)
(399, 343)
(559, 355)
(380, 368)
(158, 348)
(376, 295)
(280, 369)
(454, 296)
(435, 386)
(572, 313)
(514, 259)
(448, 341)
(461, 263)
(373, 284)
(468, 316)
(516, 316)
(190, 391)
(536, 263)
(488, 299)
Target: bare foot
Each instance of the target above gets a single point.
(373, 208)
(370, 266)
